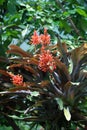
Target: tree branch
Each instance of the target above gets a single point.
(68, 18)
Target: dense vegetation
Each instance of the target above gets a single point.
(43, 74)
(19, 18)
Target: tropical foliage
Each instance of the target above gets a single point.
(47, 85)
(43, 65)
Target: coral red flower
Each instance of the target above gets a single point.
(46, 62)
(35, 38)
(45, 38)
(77, 128)
(17, 80)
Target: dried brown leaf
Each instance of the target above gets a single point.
(44, 83)
(18, 88)
(15, 65)
(17, 50)
(3, 72)
(64, 46)
(62, 70)
(30, 69)
(3, 59)
(78, 53)
(33, 60)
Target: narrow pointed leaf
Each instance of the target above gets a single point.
(17, 50)
(67, 114)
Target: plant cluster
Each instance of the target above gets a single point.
(47, 86)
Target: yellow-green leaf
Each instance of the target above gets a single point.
(67, 114)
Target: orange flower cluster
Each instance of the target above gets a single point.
(35, 38)
(43, 39)
(46, 62)
(17, 80)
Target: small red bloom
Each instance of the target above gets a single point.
(35, 38)
(17, 80)
(77, 128)
(46, 62)
(45, 38)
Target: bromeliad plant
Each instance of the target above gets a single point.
(47, 86)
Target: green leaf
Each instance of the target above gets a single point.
(12, 6)
(83, 24)
(1, 2)
(67, 114)
(3, 127)
(24, 32)
(34, 94)
(60, 103)
(81, 12)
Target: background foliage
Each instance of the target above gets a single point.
(19, 18)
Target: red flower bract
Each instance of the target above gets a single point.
(46, 62)
(45, 38)
(17, 80)
(35, 38)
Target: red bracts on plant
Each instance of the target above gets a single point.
(43, 86)
(46, 61)
(45, 38)
(35, 38)
(17, 79)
